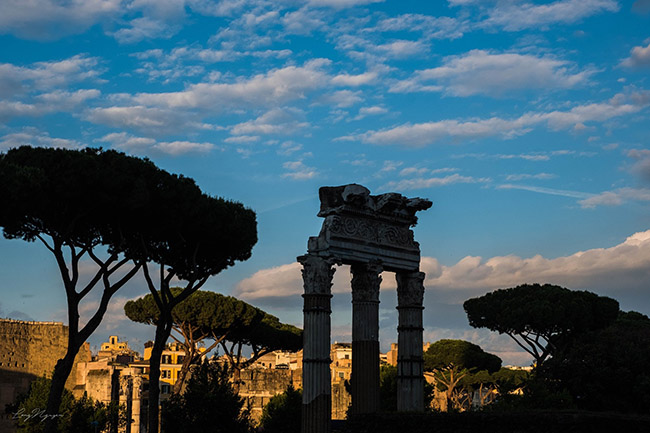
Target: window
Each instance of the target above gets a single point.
(166, 374)
(179, 359)
(342, 375)
(166, 359)
(165, 389)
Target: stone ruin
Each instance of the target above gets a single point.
(372, 234)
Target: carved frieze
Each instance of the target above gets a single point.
(367, 230)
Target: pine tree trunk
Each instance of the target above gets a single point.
(162, 334)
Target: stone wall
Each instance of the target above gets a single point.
(29, 350)
(258, 385)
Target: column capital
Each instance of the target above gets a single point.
(366, 280)
(410, 289)
(317, 273)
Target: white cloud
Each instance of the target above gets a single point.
(297, 170)
(35, 138)
(145, 28)
(431, 27)
(482, 72)
(51, 19)
(340, 4)
(639, 57)
(525, 176)
(515, 16)
(276, 121)
(146, 145)
(625, 266)
(145, 119)
(354, 80)
(289, 147)
(616, 197)
(641, 166)
(275, 87)
(343, 98)
(242, 139)
(46, 103)
(421, 134)
(46, 75)
(430, 182)
(370, 111)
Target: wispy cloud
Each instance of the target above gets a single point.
(422, 134)
(495, 74)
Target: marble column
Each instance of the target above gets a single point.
(365, 337)
(317, 276)
(410, 375)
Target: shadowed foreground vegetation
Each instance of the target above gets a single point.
(493, 422)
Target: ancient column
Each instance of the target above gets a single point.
(365, 337)
(317, 276)
(410, 375)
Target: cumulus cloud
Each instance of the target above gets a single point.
(145, 28)
(340, 4)
(51, 19)
(516, 16)
(430, 26)
(639, 57)
(145, 145)
(482, 72)
(276, 121)
(275, 87)
(354, 80)
(641, 165)
(343, 98)
(35, 138)
(421, 134)
(144, 119)
(297, 170)
(623, 267)
(46, 75)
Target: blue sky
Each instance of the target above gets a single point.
(525, 122)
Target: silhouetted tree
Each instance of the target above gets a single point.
(267, 335)
(191, 237)
(607, 369)
(454, 360)
(81, 205)
(208, 404)
(542, 320)
(203, 315)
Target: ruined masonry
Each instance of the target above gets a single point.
(372, 234)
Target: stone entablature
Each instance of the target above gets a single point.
(360, 228)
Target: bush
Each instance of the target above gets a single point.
(209, 404)
(283, 413)
(75, 416)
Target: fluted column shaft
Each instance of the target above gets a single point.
(365, 337)
(410, 374)
(317, 276)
